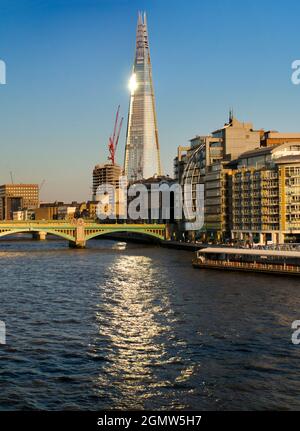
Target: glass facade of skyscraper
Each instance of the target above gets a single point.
(142, 156)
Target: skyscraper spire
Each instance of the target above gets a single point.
(142, 154)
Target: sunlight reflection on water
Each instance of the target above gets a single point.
(140, 328)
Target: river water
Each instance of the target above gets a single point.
(139, 328)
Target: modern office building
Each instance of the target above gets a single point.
(142, 152)
(17, 197)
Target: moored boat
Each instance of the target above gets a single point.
(252, 260)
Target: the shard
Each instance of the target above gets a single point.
(142, 155)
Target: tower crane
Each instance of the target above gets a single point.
(114, 139)
(41, 185)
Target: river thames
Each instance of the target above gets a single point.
(139, 328)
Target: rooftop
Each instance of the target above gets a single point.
(249, 252)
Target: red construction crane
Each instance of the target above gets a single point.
(114, 139)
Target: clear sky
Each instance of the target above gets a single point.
(69, 61)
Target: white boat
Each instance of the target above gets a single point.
(239, 259)
(120, 246)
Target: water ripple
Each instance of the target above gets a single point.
(140, 328)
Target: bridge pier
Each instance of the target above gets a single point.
(77, 244)
(39, 236)
(80, 240)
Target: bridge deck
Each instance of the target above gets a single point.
(80, 231)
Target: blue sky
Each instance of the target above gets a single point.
(68, 64)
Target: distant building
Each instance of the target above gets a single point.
(237, 137)
(156, 204)
(266, 195)
(142, 152)
(218, 203)
(24, 215)
(91, 208)
(18, 215)
(66, 212)
(106, 174)
(275, 138)
(57, 211)
(180, 162)
(46, 212)
(17, 197)
(109, 174)
(204, 162)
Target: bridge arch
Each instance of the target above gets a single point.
(155, 234)
(79, 232)
(60, 234)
